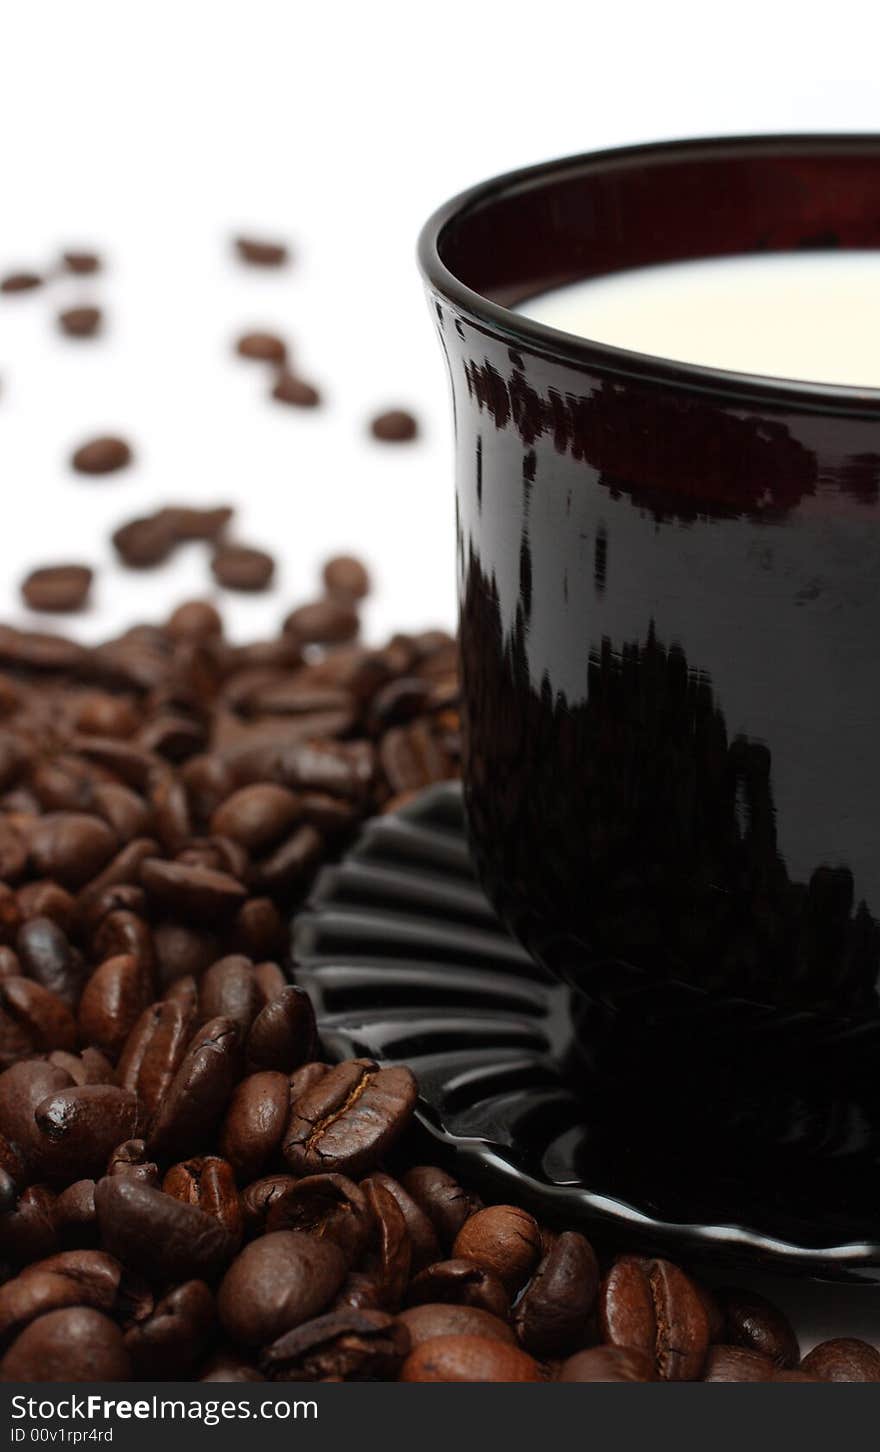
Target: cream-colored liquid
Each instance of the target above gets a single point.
(812, 316)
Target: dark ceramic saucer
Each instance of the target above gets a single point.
(406, 961)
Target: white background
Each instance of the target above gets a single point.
(156, 132)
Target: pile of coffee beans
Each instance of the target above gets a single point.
(188, 1188)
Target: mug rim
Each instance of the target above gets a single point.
(555, 343)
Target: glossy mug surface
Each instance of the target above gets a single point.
(669, 592)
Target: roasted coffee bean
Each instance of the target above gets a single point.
(240, 567)
(325, 622)
(460, 1283)
(843, 1359)
(44, 899)
(229, 1365)
(208, 1182)
(395, 426)
(442, 1198)
(89, 1067)
(259, 932)
(144, 542)
(75, 1218)
(189, 523)
(32, 1020)
(305, 1077)
(130, 1158)
(264, 347)
(46, 955)
(76, 1344)
(330, 1206)
(276, 1283)
(23, 1086)
(28, 1232)
(228, 989)
(254, 1123)
(349, 1119)
(261, 253)
(256, 816)
(153, 1053)
(156, 1234)
(425, 1323)
(503, 1239)
(389, 1254)
(20, 282)
(122, 931)
(13, 852)
(608, 1363)
(100, 714)
(290, 388)
(112, 1001)
(737, 1363)
(754, 1322)
(346, 577)
(81, 262)
(411, 757)
(80, 322)
(102, 455)
(552, 1313)
(57, 587)
(292, 861)
(125, 812)
(424, 1245)
(196, 892)
(344, 1345)
(469, 1358)
(196, 620)
(71, 847)
(183, 951)
(283, 1034)
(650, 1305)
(84, 1278)
(168, 1343)
(198, 1094)
(258, 1198)
(80, 1127)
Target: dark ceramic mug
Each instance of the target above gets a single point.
(669, 591)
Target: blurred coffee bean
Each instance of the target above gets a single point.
(20, 282)
(346, 577)
(104, 455)
(80, 322)
(144, 542)
(261, 253)
(290, 388)
(57, 587)
(112, 1001)
(325, 622)
(256, 816)
(81, 262)
(240, 567)
(395, 426)
(264, 347)
(46, 955)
